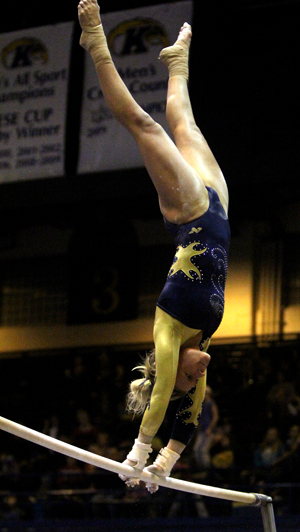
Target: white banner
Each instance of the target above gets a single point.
(34, 71)
(135, 38)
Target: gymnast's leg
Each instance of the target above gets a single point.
(188, 137)
(181, 191)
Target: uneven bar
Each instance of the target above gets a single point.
(99, 461)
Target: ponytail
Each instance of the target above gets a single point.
(140, 389)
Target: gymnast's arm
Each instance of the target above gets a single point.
(184, 426)
(188, 413)
(167, 339)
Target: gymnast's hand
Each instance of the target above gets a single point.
(162, 466)
(137, 458)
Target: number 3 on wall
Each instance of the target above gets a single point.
(106, 299)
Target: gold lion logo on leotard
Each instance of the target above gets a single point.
(183, 260)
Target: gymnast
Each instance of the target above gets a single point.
(193, 200)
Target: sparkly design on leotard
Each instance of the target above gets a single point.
(188, 413)
(217, 300)
(201, 259)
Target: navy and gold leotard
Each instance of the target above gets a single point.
(194, 289)
(194, 295)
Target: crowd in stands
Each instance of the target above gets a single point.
(248, 438)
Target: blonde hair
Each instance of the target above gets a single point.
(140, 389)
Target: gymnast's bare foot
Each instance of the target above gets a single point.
(176, 57)
(90, 22)
(88, 14)
(185, 35)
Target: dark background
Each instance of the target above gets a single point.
(244, 86)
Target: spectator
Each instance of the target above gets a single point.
(51, 427)
(70, 476)
(85, 433)
(9, 472)
(208, 422)
(287, 467)
(11, 510)
(283, 403)
(267, 454)
(221, 457)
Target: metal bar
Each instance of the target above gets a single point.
(116, 467)
(268, 517)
